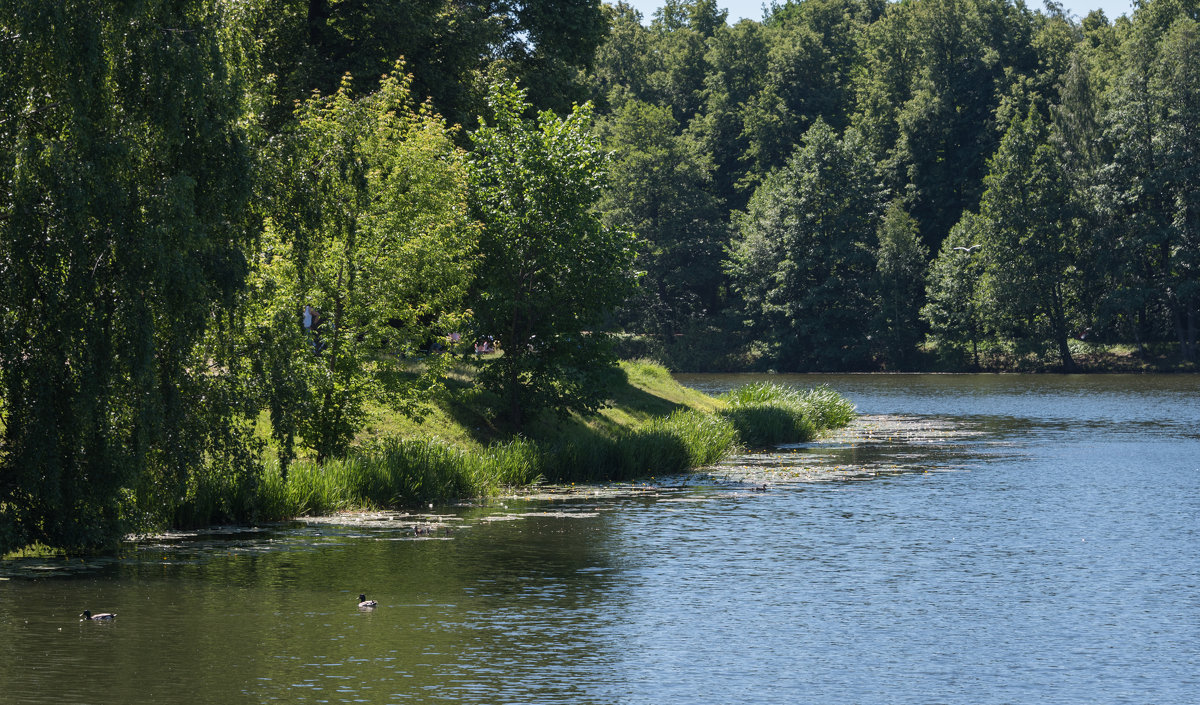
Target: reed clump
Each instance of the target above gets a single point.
(766, 413)
(390, 473)
(680, 441)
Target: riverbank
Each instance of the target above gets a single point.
(713, 350)
(652, 425)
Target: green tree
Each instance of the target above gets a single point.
(803, 258)
(1077, 135)
(885, 80)
(124, 179)
(681, 31)
(813, 52)
(954, 307)
(368, 225)
(1030, 250)
(962, 57)
(900, 263)
(659, 189)
(1175, 88)
(624, 61)
(1131, 199)
(737, 58)
(1147, 202)
(448, 45)
(550, 269)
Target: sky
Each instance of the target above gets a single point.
(753, 9)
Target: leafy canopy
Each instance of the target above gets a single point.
(368, 225)
(550, 269)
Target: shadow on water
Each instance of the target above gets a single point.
(974, 541)
(273, 611)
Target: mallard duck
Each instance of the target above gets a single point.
(87, 614)
(364, 602)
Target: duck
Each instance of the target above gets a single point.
(365, 603)
(87, 615)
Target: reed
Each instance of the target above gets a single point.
(390, 473)
(766, 414)
(827, 408)
(683, 440)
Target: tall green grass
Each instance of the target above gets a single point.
(391, 473)
(766, 414)
(683, 440)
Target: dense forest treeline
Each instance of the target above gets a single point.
(214, 212)
(853, 184)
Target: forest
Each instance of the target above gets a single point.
(870, 185)
(219, 212)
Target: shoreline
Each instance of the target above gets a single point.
(653, 427)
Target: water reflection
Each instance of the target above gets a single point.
(1001, 539)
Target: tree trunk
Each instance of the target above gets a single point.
(1058, 317)
(1184, 318)
(512, 358)
(1064, 352)
(514, 397)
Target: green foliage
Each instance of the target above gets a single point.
(623, 61)
(550, 269)
(1176, 88)
(900, 263)
(367, 224)
(767, 414)
(124, 177)
(1148, 199)
(737, 59)
(659, 190)
(411, 472)
(671, 444)
(1030, 249)
(394, 473)
(307, 45)
(814, 49)
(954, 309)
(803, 262)
(935, 74)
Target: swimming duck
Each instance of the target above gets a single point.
(87, 614)
(364, 602)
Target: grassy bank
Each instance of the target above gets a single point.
(652, 426)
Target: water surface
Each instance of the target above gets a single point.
(976, 539)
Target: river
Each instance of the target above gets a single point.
(972, 539)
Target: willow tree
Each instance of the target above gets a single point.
(367, 253)
(123, 183)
